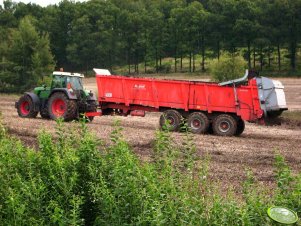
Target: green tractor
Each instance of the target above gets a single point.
(66, 98)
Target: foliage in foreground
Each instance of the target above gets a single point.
(74, 179)
(228, 67)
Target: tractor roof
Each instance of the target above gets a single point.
(67, 74)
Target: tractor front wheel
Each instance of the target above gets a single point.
(25, 107)
(92, 108)
(59, 106)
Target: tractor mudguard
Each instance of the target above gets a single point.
(70, 95)
(35, 100)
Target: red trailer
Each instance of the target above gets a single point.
(224, 107)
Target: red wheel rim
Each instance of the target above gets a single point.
(224, 126)
(171, 120)
(196, 123)
(24, 108)
(58, 107)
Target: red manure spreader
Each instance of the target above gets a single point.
(221, 108)
(205, 107)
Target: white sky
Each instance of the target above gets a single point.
(40, 2)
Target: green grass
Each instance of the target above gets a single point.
(292, 115)
(75, 179)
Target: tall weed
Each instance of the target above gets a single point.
(288, 191)
(75, 179)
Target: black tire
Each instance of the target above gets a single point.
(198, 122)
(92, 107)
(240, 127)
(274, 114)
(210, 129)
(25, 107)
(224, 125)
(59, 106)
(171, 120)
(44, 113)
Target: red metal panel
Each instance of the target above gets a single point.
(155, 95)
(93, 114)
(139, 92)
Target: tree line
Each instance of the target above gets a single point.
(140, 33)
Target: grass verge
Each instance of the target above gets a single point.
(292, 115)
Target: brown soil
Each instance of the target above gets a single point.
(230, 156)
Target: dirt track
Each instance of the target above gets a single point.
(230, 156)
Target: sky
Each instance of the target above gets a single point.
(40, 2)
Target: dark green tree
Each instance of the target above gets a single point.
(120, 33)
(247, 27)
(28, 58)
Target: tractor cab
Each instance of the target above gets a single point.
(67, 80)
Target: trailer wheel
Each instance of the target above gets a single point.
(25, 107)
(198, 122)
(172, 119)
(224, 125)
(240, 127)
(59, 106)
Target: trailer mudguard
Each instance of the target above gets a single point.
(35, 100)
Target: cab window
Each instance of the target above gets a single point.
(76, 83)
(58, 82)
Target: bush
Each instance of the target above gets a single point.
(164, 68)
(74, 179)
(45, 80)
(150, 70)
(228, 67)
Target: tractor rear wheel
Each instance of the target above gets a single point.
(240, 127)
(224, 125)
(171, 120)
(59, 106)
(25, 107)
(198, 122)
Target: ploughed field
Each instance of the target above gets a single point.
(229, 156)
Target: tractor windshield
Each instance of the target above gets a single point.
(60, 81)
(76, 83)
